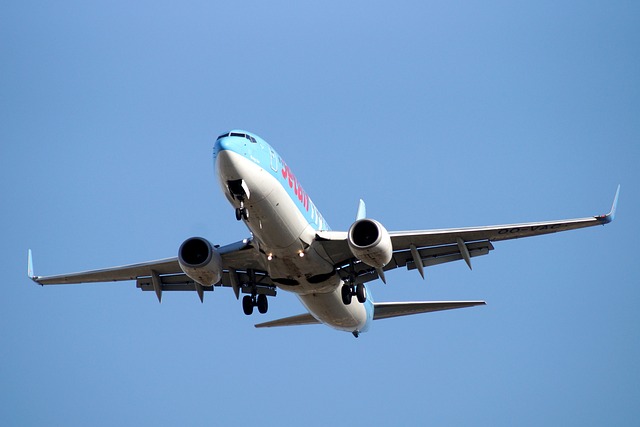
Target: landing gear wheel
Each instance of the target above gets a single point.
(242, 213)
(346, 294)
(263, 304)
(361, 293)
(247, 305)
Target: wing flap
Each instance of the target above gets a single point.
(438, 255)
(386, 310)
(181, 282)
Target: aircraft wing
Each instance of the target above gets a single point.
(240, 261)
(113, 274)
(422, 248)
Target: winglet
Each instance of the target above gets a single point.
(606, 219)
(362, 210)
(30, 266)
(30, 269)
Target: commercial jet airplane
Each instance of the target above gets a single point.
(293, 249)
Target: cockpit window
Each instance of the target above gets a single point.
(239, 135)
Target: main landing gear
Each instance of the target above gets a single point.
(349, 291)
(250, 301)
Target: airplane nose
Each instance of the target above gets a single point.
(221, 150)
(221, 145)
(229, 143)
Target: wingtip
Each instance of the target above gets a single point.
(606, 219)
(30, 268)
(30, 264)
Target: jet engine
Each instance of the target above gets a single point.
(369, 241)
(200, 261)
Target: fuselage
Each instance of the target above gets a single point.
(284, 220)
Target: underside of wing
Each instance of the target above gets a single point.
(386, 310)
(240, 262)
(423, 248)
(113, 274)
(404, 239)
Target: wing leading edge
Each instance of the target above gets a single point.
(404, 239)
(240, 261)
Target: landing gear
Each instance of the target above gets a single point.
(262, 303)
(247, 305)
(361, 293)
(239, 191)
(242, 212)
(348, 293)
(250, 301)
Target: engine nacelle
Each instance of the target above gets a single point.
(200, 261)
(369, 241)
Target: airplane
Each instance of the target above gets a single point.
(292, 248)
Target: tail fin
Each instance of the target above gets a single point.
(362, 210)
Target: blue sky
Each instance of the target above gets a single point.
(437, 114)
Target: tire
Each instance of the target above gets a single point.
(361, 293)
(245, 213)
(238, 214)
(346, 294)
(247, 305)
(263, 304)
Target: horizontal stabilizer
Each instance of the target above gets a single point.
(301, 319)
(385, 310)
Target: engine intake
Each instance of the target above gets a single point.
(370, 242)
(200, 261)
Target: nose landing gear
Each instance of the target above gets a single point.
(239, 190)
(242, 212)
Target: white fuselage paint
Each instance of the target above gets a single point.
(280, 230)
